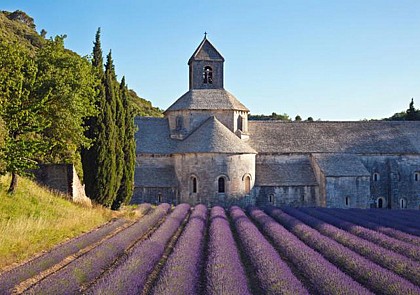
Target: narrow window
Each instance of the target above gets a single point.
(347, 201)
(221, 185)
(159, 197)
(179, 123)
(271, 198)
(375, 176)
(193, 184)
(417, 176)
(403, 203)
(207, 75)
(240, 123)
(247, 184)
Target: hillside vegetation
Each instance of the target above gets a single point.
(35, 219)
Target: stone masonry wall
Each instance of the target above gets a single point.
(357, 189)
(396, 179)
(62, 178)
(207, 168)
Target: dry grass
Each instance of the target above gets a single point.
(35, 219)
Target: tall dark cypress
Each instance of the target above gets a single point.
(125, 191)
(90, 159)
(107, 174)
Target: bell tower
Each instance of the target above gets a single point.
(206, 67)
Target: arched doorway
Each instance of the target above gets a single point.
(381, 202)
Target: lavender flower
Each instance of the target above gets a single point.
(324, 277)
(272, 273)
(181, 273)
(130, 276)
(369, 274)
(224, 272)
(88, 267)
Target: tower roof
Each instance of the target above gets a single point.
(207, 99)
(214, 137)
(206, 51)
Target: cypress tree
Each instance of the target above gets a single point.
(125, 191)
(99, 163)
(89, 155)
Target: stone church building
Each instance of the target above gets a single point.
(206, 151)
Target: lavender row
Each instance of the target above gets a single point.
(388, 259)
(394, 217)
(19, 274)
(225, 273)
(385, 222)
(362, 221)
(181, 273)
(131, 276)
(324, 277)
(273, 274)
(369, 274)
(380, 239)
(88, 267)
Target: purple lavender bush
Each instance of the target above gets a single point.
(367, 273)
(361, 220)
(181, 273)
(131, 275)
(88, 267)
(272, 273)
(324, 277)
(380, 239)
(19, 274)
(225, 273)
(388, 259)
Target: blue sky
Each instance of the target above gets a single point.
(333, 60)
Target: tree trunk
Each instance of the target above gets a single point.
(13, 183)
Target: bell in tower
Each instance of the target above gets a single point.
(206, 67)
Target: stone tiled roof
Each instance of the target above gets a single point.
(152, 136)
(206, 51)
(207, 99)
(374, 137)
(340, 165)
(155, 177)
(291, 173)
(213, 137)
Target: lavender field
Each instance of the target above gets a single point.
(197, 250)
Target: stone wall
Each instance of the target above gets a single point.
(356, 189)
(196, 74)
(63, 179)
(396, 179)
(207, 168)
(155, 195)
(296, 196)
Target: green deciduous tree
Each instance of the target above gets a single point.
(68, 81)
(21, 109)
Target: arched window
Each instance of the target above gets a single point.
(376, 176)
(221, 184)
(247, 181)
(240, 123)
(159, 197)
(193, 184)
(179, 123)
(207, 75)
(347, 201)
(417, 176)
(403, 203)
(271, 198)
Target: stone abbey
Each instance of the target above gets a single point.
(206, 151)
